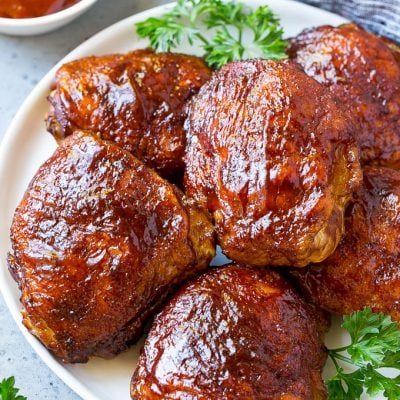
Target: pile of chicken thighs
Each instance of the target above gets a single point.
(291, 167)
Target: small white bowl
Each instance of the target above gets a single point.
(47, 23)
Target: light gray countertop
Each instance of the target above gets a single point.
(23, 62)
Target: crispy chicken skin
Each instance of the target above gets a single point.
(234, 333)
(136, 100)
(365, 268)
(270, 155)
(99, 240)
(362, 71)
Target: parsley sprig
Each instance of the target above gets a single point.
(8, 390)
(375, 344)
(230, 25)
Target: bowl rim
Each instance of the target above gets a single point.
(81, 5)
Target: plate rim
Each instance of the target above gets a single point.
(7, 142)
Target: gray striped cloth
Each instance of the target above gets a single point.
(379, 16)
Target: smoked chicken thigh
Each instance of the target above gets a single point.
(234, 333)
(99, 240)
(363, 71)
(136, 100)
(270, 154)
(365, 268)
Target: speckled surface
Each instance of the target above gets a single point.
(23, 62)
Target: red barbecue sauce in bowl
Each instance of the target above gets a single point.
(32, 8)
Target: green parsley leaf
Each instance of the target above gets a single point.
(191, 9)
(373, 336)
(8, 391)
(391, 360)
(376, 383)
(375, 344)
(230, 13)
(267, 33)
(230, 25)
(345, 386)
(165, 34)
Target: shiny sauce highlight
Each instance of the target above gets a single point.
(32, 8)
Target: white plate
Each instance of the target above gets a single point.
(26, 145)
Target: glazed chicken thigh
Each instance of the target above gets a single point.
(365, 268)
(363, 72)
(270, 154)
(99, 240)
(136, 100)
(234, 333)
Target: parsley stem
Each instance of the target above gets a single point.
(332, 357)
(202, 38)
(340, 349)
(335, 354)
(240, 41)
